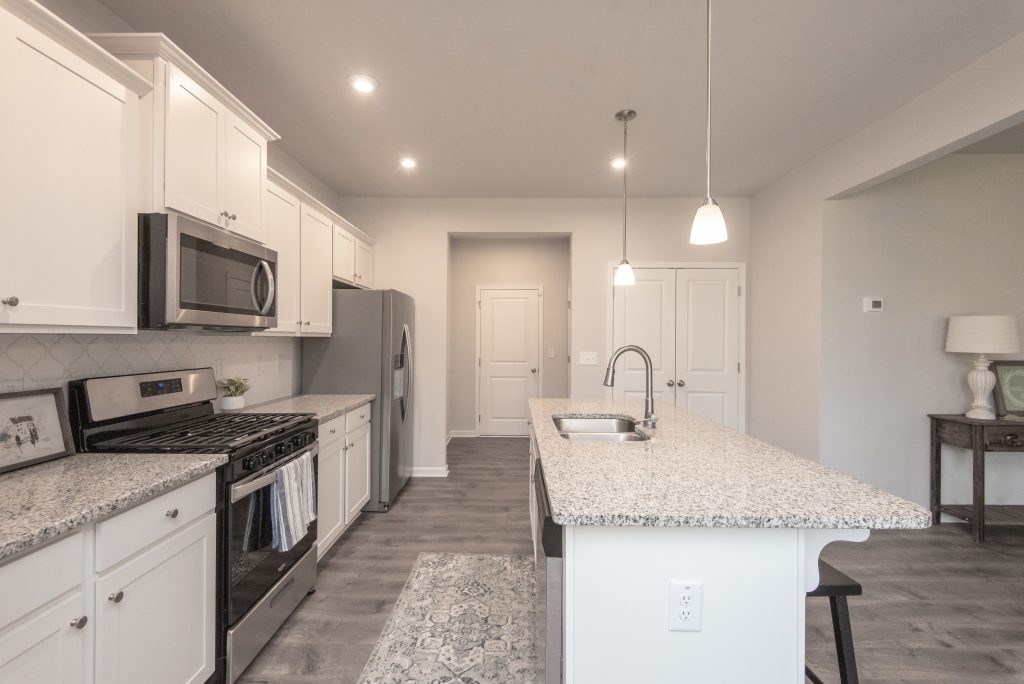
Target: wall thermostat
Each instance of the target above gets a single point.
(873, 304)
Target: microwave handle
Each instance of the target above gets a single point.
(252, 286)
(271, 288)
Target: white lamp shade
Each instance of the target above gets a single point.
(708, 225)
(624, 274)
(983, 335)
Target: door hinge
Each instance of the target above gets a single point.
(478, 303)
(737, 367)
(739, 290)
(478, 417)
(478, 363)
(568, 304)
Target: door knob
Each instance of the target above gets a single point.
(10, 301)
(681, 383)
(671, 383)
(533, 370)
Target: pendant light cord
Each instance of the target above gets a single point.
(707, 149)
(625, 171)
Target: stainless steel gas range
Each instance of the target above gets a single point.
(258, 585)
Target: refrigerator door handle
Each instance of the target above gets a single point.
(406, 401)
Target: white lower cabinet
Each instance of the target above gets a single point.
(330, 514)
(343, 482)
(49, 647)
(155, 612)
(357, 472)
(148, 617)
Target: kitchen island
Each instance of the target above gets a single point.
(687, 555)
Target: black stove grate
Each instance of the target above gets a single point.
(221, 433)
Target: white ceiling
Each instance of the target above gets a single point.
(515, 98)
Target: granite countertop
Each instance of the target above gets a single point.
(325, 406)
(44, 501)
(695, 473)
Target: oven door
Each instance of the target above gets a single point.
(200, 276)
(254, 566)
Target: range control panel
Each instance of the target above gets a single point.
(155, 388)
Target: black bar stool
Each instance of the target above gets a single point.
(837, 586)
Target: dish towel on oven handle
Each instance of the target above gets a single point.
(293, 502)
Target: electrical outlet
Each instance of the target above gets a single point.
(588, 358)
(685, 605)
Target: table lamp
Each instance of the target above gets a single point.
(982, 335)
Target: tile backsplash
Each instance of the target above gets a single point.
(36, 361)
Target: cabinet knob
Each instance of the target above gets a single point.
(80, 622)
(361, 416)
(352, 445)
(680, 383)
(671, 383)
(10, 301)
(116, 598)
(224, 214)
(533, 370)
(306, 323)
(173, 513)
(233, 217)
(334, 430)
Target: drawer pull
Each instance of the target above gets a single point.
(334, 430)
(116, 598)
(173, 513)
(361, 416)
(80, 622)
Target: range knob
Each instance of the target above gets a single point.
(249, 463)
(282, 448)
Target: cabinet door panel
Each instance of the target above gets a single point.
(281, 219)
(162, 629)
(45, 648)
(364, 264)
(644, 315)
(194, 149)
(330, 492)
(245, 173)
(344, 255)
(64, 172)
(357, 472)
(317, 266)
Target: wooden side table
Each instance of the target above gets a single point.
(980, 436)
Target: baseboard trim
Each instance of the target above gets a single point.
(454, 434)
(430, 471)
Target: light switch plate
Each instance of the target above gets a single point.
(551, 352)
(873, 305)
(588, 358)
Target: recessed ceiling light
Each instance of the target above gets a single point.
(363, 83)
(618, 163)
(408, 163)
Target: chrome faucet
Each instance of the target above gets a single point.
(609, 380)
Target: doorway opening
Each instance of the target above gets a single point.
(508, 329)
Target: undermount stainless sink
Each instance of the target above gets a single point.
(600, 428)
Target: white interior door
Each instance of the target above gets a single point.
(707, 343)
(644, 315)
(509, 362)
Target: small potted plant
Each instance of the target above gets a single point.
(234, 390)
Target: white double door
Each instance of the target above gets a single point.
(688, 320)
(509, 373)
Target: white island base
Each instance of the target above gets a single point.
(754, 584)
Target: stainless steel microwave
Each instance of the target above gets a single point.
(197, 276)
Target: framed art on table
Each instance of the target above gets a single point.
(34, 428)
(1009, 392)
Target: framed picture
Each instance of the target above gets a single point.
(34, 428)
(1009, 387)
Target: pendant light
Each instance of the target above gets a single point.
(709, 224)
(624, 272)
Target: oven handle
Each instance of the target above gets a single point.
(245, 487)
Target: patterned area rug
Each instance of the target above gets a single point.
(461, 619)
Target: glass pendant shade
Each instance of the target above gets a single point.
(624, 274)
(708, 225)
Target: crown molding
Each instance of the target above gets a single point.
(159, 46)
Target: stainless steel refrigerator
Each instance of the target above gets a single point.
(371, 351)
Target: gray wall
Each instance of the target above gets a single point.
(504, 261)
(942, 240)
(88, 16)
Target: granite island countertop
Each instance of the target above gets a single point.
(696, 473)
(44, 501)
(325, 406)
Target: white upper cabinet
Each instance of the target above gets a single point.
(67, 170)
(315, 280)
(204, 152)
(281, 220)
(364, 264)
(344, 254)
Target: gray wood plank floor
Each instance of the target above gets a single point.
(937, 608)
